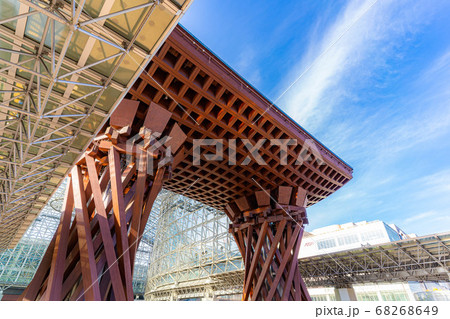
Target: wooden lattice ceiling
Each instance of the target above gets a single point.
(210, 101)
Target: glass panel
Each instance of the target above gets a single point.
(107, 99)
(348, 239)
(93, 7)
(128, 67)
(100, 51)
(326, 243)
(367, 296)
(156, 26)
(372, 235)
(319, 298)
(394, 296)
(126, 24)
(9, 8)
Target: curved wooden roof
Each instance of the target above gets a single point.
(211, 101)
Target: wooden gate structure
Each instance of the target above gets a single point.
(268, 170)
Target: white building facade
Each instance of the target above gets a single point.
(334, 238)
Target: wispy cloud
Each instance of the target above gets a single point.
(436, 184)
(419, 217)
(363, 48)
(383, 145)
(417, 117)
(246, 66)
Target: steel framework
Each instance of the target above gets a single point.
(192, 249)
(18, 265)
(425, 258)
(222, 286)
(64, 66)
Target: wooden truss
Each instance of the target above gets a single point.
(111, 190)
(268, 229)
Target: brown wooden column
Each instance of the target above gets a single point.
(111, 190)
(268, 228)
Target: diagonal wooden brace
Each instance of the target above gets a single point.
(268, 228)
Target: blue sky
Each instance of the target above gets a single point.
(369, 79)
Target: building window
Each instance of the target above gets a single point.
(319, 298)
(326, 243)
(394, 296)
(393, 235)
(367, 296)
(432, 296)
(348, 239)
(371, 235)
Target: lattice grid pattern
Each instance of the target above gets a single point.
(209, 100)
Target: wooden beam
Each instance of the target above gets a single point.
(286, 257)
(87, 257)
(249, 278)
(137, 207)
(269, 258)
(291, 272)
(105, 230)
(54, 285)
(120, 221)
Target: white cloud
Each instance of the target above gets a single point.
(364, 35)
(436, 185)
(381, 139)
(424, 113)
(413, 119)
(419, 217)
(246, 66)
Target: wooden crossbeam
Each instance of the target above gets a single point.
(138, 203)
(92, 257)
(290, 278)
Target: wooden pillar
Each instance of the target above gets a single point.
(268, 228)
(111, 189)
